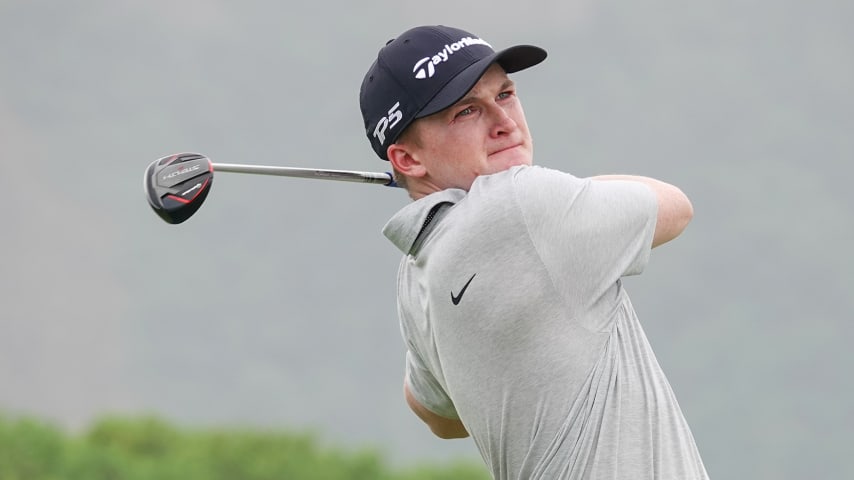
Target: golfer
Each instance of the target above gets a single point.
(518, 330)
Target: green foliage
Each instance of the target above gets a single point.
(29, 450)
(149, 448)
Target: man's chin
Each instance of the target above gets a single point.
(510, 158)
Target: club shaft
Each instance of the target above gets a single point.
(382, 178)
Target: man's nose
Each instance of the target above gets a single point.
(502, 122)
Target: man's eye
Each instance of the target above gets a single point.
(504, 95)
(465, 111)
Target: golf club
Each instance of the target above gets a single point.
(176, 185)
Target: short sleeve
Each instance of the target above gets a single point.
(426, 389)
(587, 232)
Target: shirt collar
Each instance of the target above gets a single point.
(403, 228)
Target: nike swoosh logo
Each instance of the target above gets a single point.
(455, 299)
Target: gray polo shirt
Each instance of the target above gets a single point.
(516, 322)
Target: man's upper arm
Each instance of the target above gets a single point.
(675, 210)
(442, 427)
(429, 400)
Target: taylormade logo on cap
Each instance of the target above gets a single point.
(442, 56)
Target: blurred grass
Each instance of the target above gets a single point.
(149, 448)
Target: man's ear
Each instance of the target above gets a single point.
(405, 160)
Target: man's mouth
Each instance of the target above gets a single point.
(504, 149)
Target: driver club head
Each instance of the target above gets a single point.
(177, 185)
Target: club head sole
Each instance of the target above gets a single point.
(177, 185)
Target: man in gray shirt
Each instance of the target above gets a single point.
(518, 330)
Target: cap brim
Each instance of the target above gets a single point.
(511, 60)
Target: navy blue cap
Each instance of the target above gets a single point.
(426, 70)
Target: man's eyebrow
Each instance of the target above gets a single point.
(471, 98)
